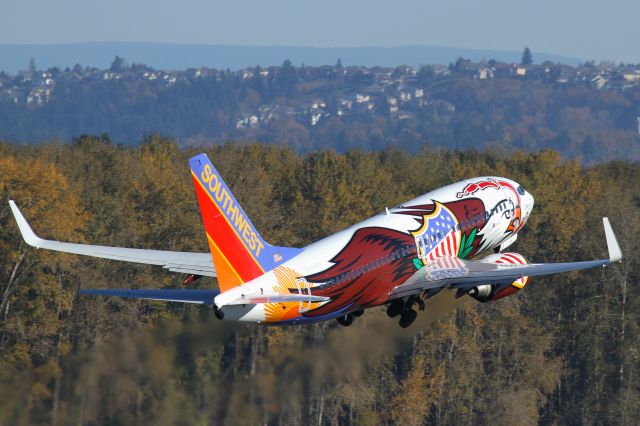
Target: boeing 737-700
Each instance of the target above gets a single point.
(451, 238)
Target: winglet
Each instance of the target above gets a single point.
(29, 236)
(615, 254)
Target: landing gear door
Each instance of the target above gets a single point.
(304, 289)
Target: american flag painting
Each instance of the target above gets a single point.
(445, 267)
(438, 236)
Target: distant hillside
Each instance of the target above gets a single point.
(589, 112)
(181, 56)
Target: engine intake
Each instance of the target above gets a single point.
(493, 292)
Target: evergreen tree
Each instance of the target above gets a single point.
(527, 59)
(287, 78)
(119, 64)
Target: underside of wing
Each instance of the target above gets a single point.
(458, 273)
(174, 261)
(204, 296)
(184, 296)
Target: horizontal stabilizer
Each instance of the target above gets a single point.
(184, 296)
(253, 299)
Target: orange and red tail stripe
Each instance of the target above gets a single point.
(239, 252)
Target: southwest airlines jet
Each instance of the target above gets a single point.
(450, 238)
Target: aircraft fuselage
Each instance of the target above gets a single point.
(358, 267)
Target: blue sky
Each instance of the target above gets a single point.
(586, 29)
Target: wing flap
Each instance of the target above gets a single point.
(192, 271)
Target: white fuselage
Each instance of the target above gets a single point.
(463, 220)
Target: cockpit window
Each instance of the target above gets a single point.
(520, 190)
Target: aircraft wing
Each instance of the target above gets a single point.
(458, 273)
(204, 296)
(174, 261)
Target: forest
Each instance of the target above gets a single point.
(565, 350)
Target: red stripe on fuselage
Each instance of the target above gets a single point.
(513, 259)
(225, 236)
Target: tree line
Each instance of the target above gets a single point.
(563, 351)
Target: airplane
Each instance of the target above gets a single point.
(450, 238)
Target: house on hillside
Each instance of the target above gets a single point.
(393, 104)
(600, 81)
(633, 76)
(247, 121)
(345, 103)
(484, 73)
(39, 96)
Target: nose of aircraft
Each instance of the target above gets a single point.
(527, 204)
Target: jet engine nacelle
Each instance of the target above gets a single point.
(493, 292)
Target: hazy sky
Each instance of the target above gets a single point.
(587, 29)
